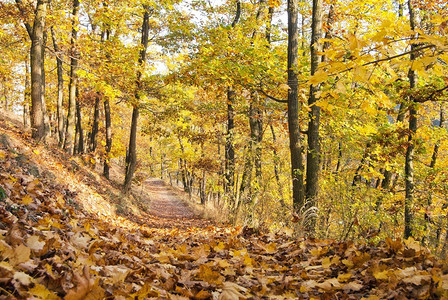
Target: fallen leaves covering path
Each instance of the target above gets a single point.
(53, 248)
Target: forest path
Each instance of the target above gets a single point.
(166, 209)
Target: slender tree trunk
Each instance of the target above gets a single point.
(277, 168)
(71, 115)
(79, 126)
(59, 107)
(435, 152)
(313, 153)
(338, 165)
(44, 103)
(295, 142)
(95, 125)
(388, 174)
(409, 162)
(108, 125)
(5, 95)
(229, 148)
(131, 155)
(131, 158)
(26, 96)
(36, 53)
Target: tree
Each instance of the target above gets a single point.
(131, 155)
(295, 140)
(60, 110)
(314, 154)
(72, 86)
(410, 151)
(36, 34)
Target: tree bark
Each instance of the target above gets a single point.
(44, 103)
(26, 96)
(435, 152)
(108, 125)
(71, 115)
(79, 129)
(313, 153)
(229, 148)
(36, 56)
(410, 151)
(5, 95)
(96, 116)
(277, 168)
(131, 157)
(59, 107)
(295, 141)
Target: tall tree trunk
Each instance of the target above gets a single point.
(277, 167)
(295, 142)
(229, 148)
(96, 117)
(44, 103)
(108, 125)
(388, 174)
(36, 54)
(435, 152)
(5, 95)
(59, 107)
(131, 157)
(26, 96)
(313, 153)
(71, 115)
(79, 126)
(410, 151)
(131, 153)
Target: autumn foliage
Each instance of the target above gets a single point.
(52, 247)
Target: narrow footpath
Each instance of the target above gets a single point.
(166, 209)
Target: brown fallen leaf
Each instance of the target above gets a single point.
(352, 286)
(14, 236)
(84, 286)
(230, 291)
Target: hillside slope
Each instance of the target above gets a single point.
(61, 237)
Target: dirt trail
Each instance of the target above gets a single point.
(165, 203)
(166, 209)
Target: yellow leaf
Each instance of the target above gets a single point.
(344, 277)
(318, 77)
(348, 263)
(284, 87)
(27, 200)
(417, 66)
(208, 275)
(271, 248)
(36, 152)
(326, 263)
(219, 247)
(42, 292)
(384, 275)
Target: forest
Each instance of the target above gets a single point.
(323, 120)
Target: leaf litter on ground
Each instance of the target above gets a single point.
(58, 243)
